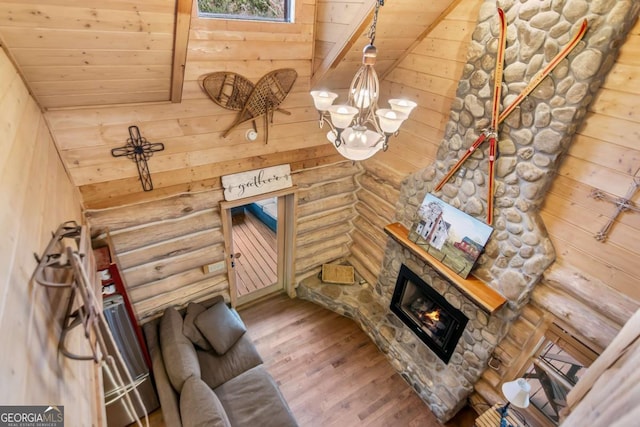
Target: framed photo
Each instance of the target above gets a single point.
(453, 237)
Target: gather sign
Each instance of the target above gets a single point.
(259, 181)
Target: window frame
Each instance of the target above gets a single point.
(579, 348)
(289, 17)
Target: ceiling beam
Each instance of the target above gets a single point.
(180, 43)
(361, 22)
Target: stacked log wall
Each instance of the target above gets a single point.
(378, 192)
(326, 200)
(565, 296)
(162, 245)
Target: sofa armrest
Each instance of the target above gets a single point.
(168, 397)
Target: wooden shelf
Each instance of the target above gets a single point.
(487, 298)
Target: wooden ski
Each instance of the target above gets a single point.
(535, 81)
(491, 132)
(497, 89)
(495, 112)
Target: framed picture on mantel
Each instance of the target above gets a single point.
(453, 237)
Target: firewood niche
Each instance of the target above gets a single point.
(477, 291)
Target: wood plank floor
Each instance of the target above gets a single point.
(257, 266)
(329, 371)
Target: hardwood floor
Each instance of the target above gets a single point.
(257, 266)
(329, 371)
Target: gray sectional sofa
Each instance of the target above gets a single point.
(208, 372)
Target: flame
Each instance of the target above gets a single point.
(434, 316)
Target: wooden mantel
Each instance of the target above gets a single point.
(480, 293)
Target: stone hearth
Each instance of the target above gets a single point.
(443, 387)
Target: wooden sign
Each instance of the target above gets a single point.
(259, 181)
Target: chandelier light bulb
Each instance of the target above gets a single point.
(342, 115)
(362, 98)
(323, 99)
(390, 120)
(403, 105)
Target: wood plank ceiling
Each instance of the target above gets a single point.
(342, 31)
(107, 52)
(94, 52)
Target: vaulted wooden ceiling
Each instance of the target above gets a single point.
(106, 52)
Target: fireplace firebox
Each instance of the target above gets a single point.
(427, 313)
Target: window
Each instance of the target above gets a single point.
(258, 10)
(559, 362)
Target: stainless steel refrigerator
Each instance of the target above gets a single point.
(126, 340)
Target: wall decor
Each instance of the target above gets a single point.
(68, 262)
(235, 92)
(622, 204)
(491, 132)
(453, 237)
(254, 182)
(139, 150)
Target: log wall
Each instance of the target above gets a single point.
(162, 245)
(325, 213)
(37, 196)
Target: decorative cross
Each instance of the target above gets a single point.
(622, 204)
(139, 150)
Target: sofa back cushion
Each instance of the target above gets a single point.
(221, 326)
(190, 329)
(200, 406)
(180, 358)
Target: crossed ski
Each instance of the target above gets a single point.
(496, 117)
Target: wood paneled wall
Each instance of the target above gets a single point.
(604, 155)
(37, 196)
(335, 27)
(195, 154)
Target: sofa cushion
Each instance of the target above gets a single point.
(220, 326)
(190, 329)
(200, 407)
(180, 358)
(167, 395)
(254, 399)
(216, 369)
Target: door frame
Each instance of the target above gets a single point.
(287, 203)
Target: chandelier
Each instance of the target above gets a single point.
(359, 129)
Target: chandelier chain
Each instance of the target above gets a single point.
(372, 30)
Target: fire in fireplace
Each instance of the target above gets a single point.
(427, 313)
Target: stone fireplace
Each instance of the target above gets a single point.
(428, 314)
(532, 142)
